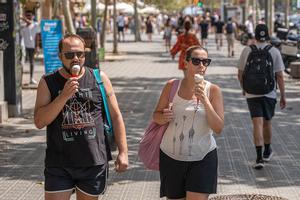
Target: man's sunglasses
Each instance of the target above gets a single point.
(71, 55)
(197, 61)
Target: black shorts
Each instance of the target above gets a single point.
(179, 177)
(89, 180)
(30, 54)
(204, 35)
(261, 107)
(120, 28)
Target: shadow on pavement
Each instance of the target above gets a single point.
(137, 98)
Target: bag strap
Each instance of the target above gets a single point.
(103, 94)
(268, 47)
(253, 47)
(173, 89)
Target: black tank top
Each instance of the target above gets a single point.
(76, 137)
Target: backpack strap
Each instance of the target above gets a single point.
(268, 47)
(253, 47)
(105, 104)
(173, 89)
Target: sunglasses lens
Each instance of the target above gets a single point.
(79, 54)
(205, 62)
(197, 61)
(71, 55)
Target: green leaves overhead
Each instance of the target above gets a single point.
(168, 5)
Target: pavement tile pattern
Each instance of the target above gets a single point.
(138, 79)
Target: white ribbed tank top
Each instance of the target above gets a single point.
(188, 136)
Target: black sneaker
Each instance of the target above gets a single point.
(259, 164)
(267, 155)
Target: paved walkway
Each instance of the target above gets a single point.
(138, 79)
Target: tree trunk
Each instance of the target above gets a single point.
(115, 45)
(56, 9)
(46, 9)
(287, 13)
(68, 18)
(102, 37)
(93, 14)
(136, 23)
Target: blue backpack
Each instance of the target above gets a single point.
(229, 28)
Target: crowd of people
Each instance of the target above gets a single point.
(163, 24)
(77, 151)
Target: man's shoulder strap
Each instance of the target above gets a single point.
(97, 75)
(268, 47)
(253, 47)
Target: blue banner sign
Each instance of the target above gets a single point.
(51, 31)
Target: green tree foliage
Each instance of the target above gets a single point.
(168, 5)
(23, 1)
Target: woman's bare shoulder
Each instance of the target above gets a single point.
(214, 89)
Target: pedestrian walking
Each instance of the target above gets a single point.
(168, 34)
(29, 32)
(188, 151)
(204, 26)
(121, 26)
(71, 108)
(278, 23)
(230, 29)
(149, 28)
(184, 41)
(250, 30)
(260, 69)
(99, 31)
(219, 30)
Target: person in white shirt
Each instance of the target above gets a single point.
(121, 25)
(250, 30)
(249, 25)
(29, 32)
(262, 107)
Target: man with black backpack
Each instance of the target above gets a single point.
(260, 70)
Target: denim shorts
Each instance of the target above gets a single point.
(261, 107)
(178, 177)
(89, 180)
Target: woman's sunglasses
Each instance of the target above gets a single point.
(197, 61)
(71, 55)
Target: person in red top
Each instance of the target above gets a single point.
(184, 41)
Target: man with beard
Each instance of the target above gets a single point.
(70, 105)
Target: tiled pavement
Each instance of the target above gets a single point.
(138, 79)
